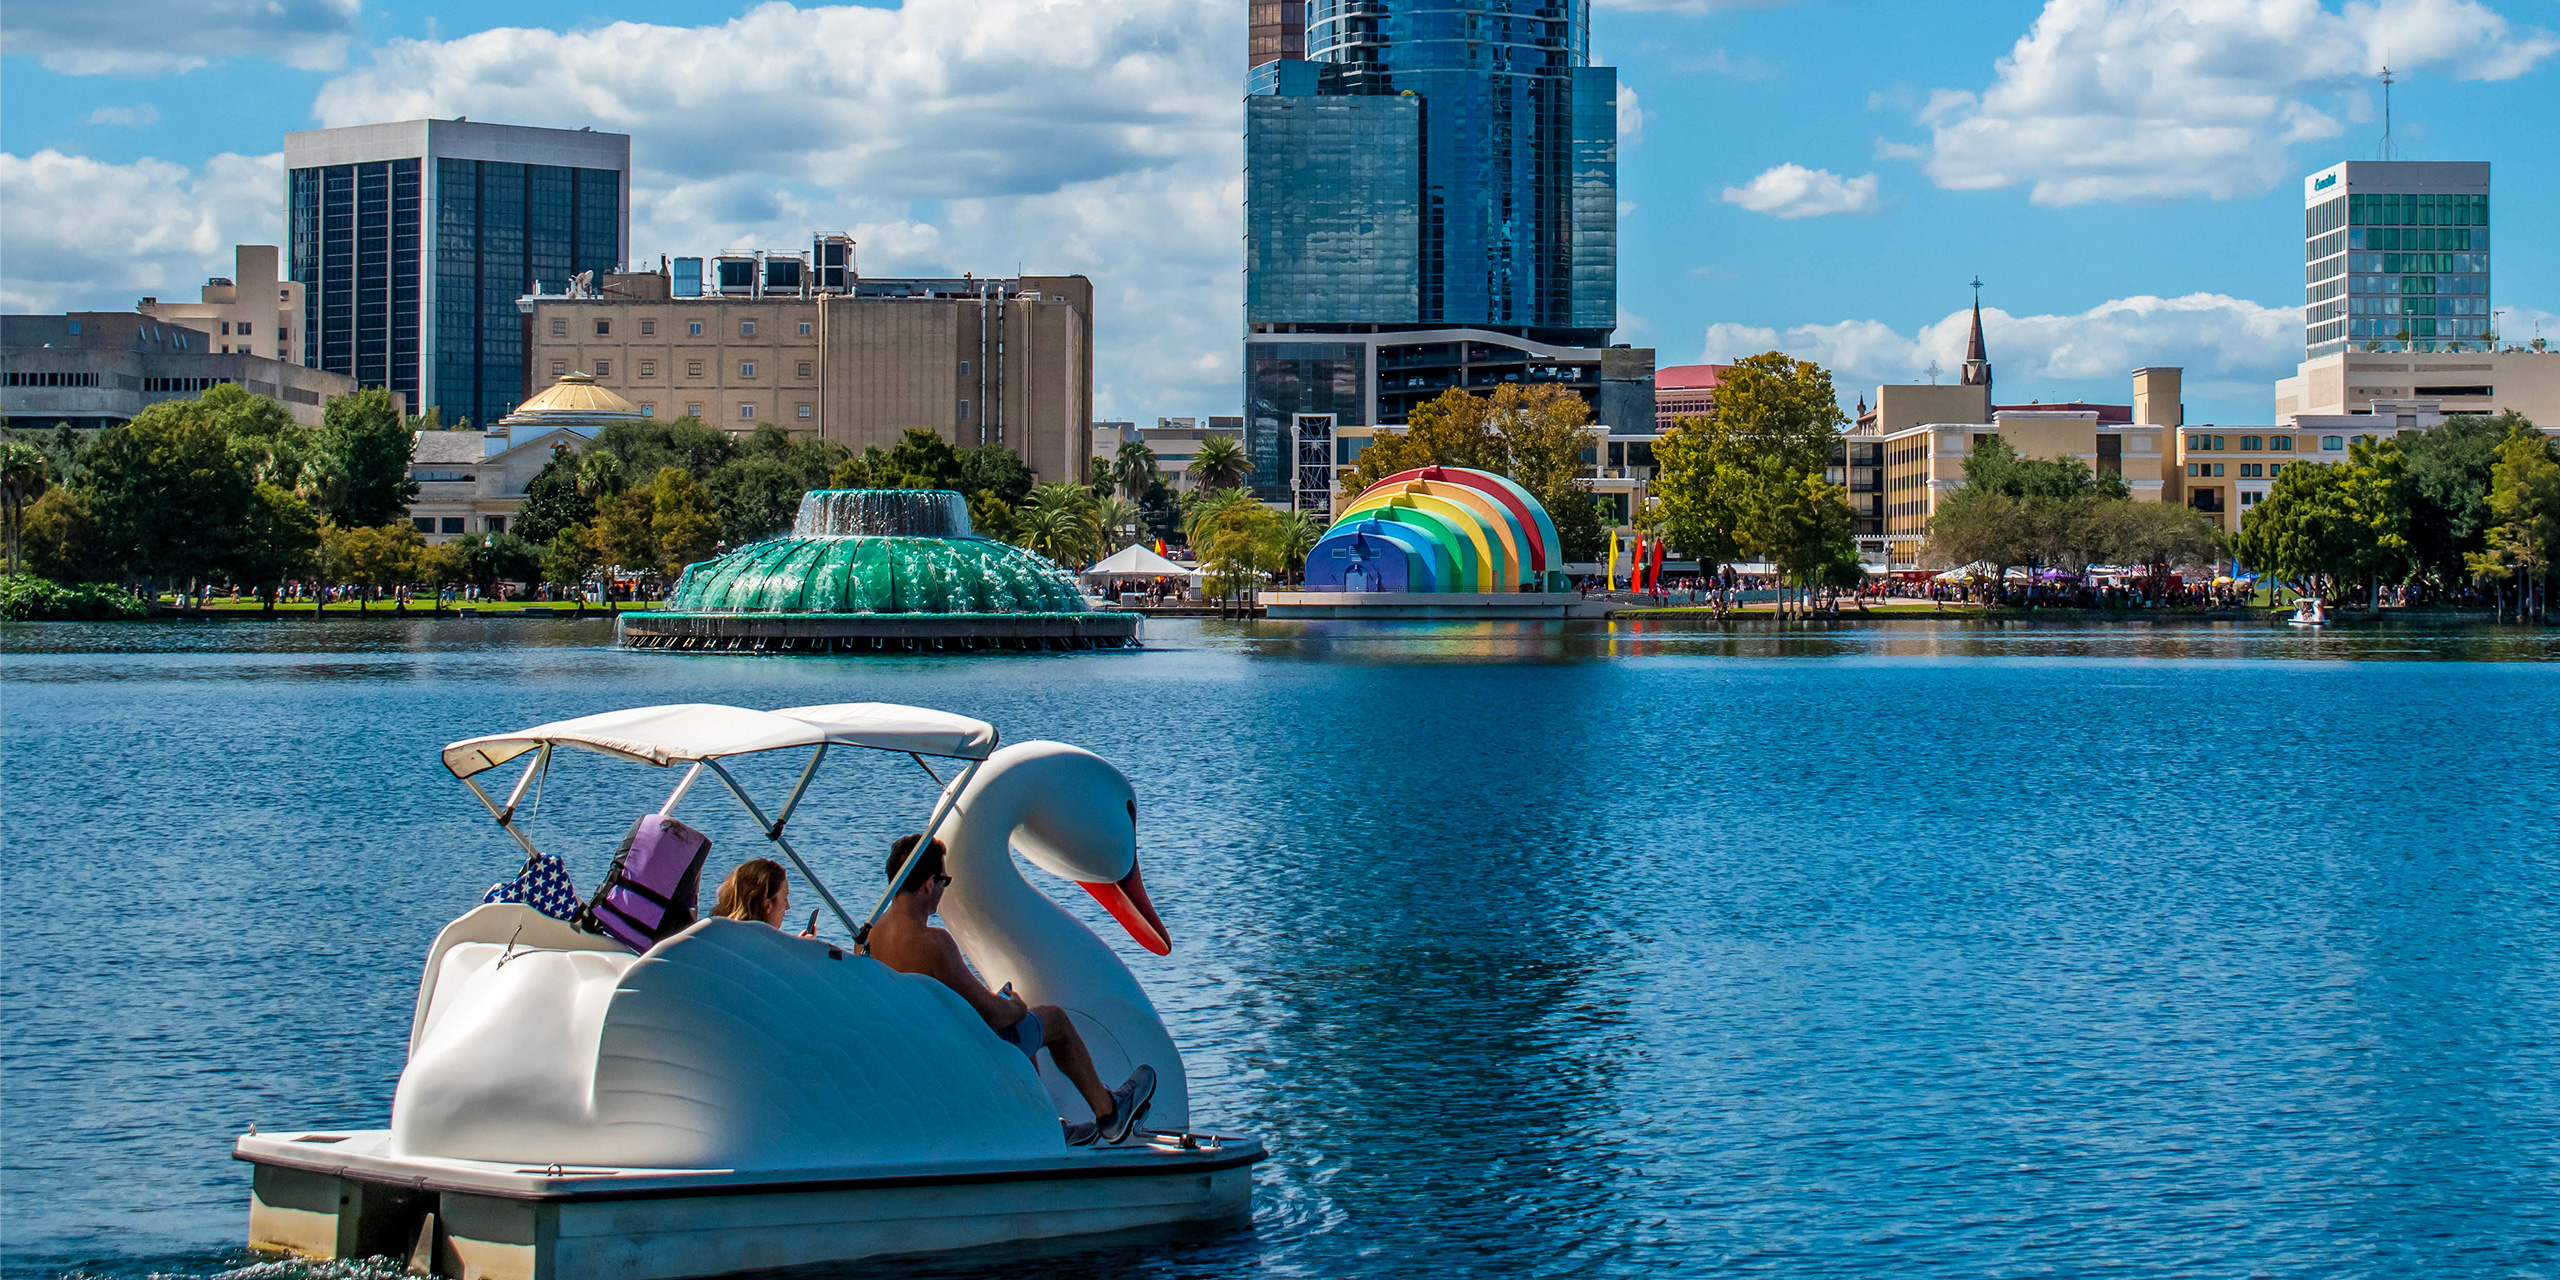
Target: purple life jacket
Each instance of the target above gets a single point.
(656, 880)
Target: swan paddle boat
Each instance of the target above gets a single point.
(2308, 611)
(735, 1097)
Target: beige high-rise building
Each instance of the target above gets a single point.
(2482, 382)
(1006, 362)
(254, 311)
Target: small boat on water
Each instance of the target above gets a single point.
(2308, 612)
(734, 1097)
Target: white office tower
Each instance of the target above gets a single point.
(2396, 256)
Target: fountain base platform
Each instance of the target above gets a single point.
(876, 632)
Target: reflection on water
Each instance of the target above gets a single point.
(1920, 948)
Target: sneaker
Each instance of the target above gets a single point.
(1129, 1104)
(1081, 1133)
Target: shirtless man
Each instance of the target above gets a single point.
(905, 940)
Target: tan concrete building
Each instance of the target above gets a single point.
(1174, 441)
(254, 311)
(2459, 381)
(1005, 362)
(94, 369)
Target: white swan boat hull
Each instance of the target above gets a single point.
(345, 1195)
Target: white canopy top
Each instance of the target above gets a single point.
(1134, 561)
(692, 731)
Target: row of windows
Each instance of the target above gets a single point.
(2395, 327)
(2248, 444)
(2416, 239)
(17, 379)
(454, 524)
(649, 328)
(2418, 210)
(2384, 306)
(2248, 470)
(693, 368)
(2395, 263)
(182, 384)
(2422, 284)
(2324, 292)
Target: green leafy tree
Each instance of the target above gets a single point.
(25, 474)
(571, 559)
(490, 558)
(377, 558)
(2303, 531)
(2524, 502)
(1118, 519)
(601, 476)
(268, 441)
(758, 491)
(1241, 545)
(552, 500)
(995, 469)
(167, 496)
(1300, 532)
(1061, 521)
(1100, 478)
(1727, 482)
(360, 460)
(646, 446)
(279, 540)
(1221, 463)
(683, 520)
(1536, 436)
(2158, 535)
(2447, 470)
(2375, 494)
(61, 539)
(625, 532)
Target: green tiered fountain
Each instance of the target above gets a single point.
(877, 570)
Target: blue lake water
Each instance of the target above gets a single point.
(1915, 950)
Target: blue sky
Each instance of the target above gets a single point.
(1821, 175)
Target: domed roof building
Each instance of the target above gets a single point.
(473, 481)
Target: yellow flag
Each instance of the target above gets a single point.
(1612, 583)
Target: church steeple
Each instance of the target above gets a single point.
(1977, 360)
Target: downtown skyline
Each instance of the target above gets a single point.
(1822, 178)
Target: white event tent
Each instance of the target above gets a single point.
(1138, 562)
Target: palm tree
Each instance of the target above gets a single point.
(1137, 468)
(1201, 513)
(1221, 463)
(1303, 530)
(25, 473)
(1116, 517)
(1060, 520)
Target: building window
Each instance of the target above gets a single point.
(559, 327)
(2333, 443)
(604, 328)
(450, 524)
(226, 331)
(804, 328)
(964, 411)
(2217, 469)
(2274, 468)
(805, 413)
(693, 368)
(604, 368)
(804, 369)
(423, 524)
(2191, 467)
(746, 413)
(559, 367)
(496, 524)
(648, 328)
(649, 410)
(693, 328)
(648, 368)
(746, 368)
(746, 328)
(2251, 444)
(2280, 444)
(964, 368)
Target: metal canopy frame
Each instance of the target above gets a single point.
(773, 827)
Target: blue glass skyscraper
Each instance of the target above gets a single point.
(1431, 201)
(413, 241)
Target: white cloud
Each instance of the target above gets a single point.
(147, 37)
(138, 115)
(1888, 149)
(1631, 116)
(2232, 349)
(1793, 191)
(83, 234)
(1065, 136)
(2163, 99)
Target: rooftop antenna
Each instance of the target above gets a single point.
(2386, 110)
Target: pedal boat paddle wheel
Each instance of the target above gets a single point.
(740, 1098)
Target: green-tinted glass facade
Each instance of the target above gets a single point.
(1333, 222)
(2397, 270)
